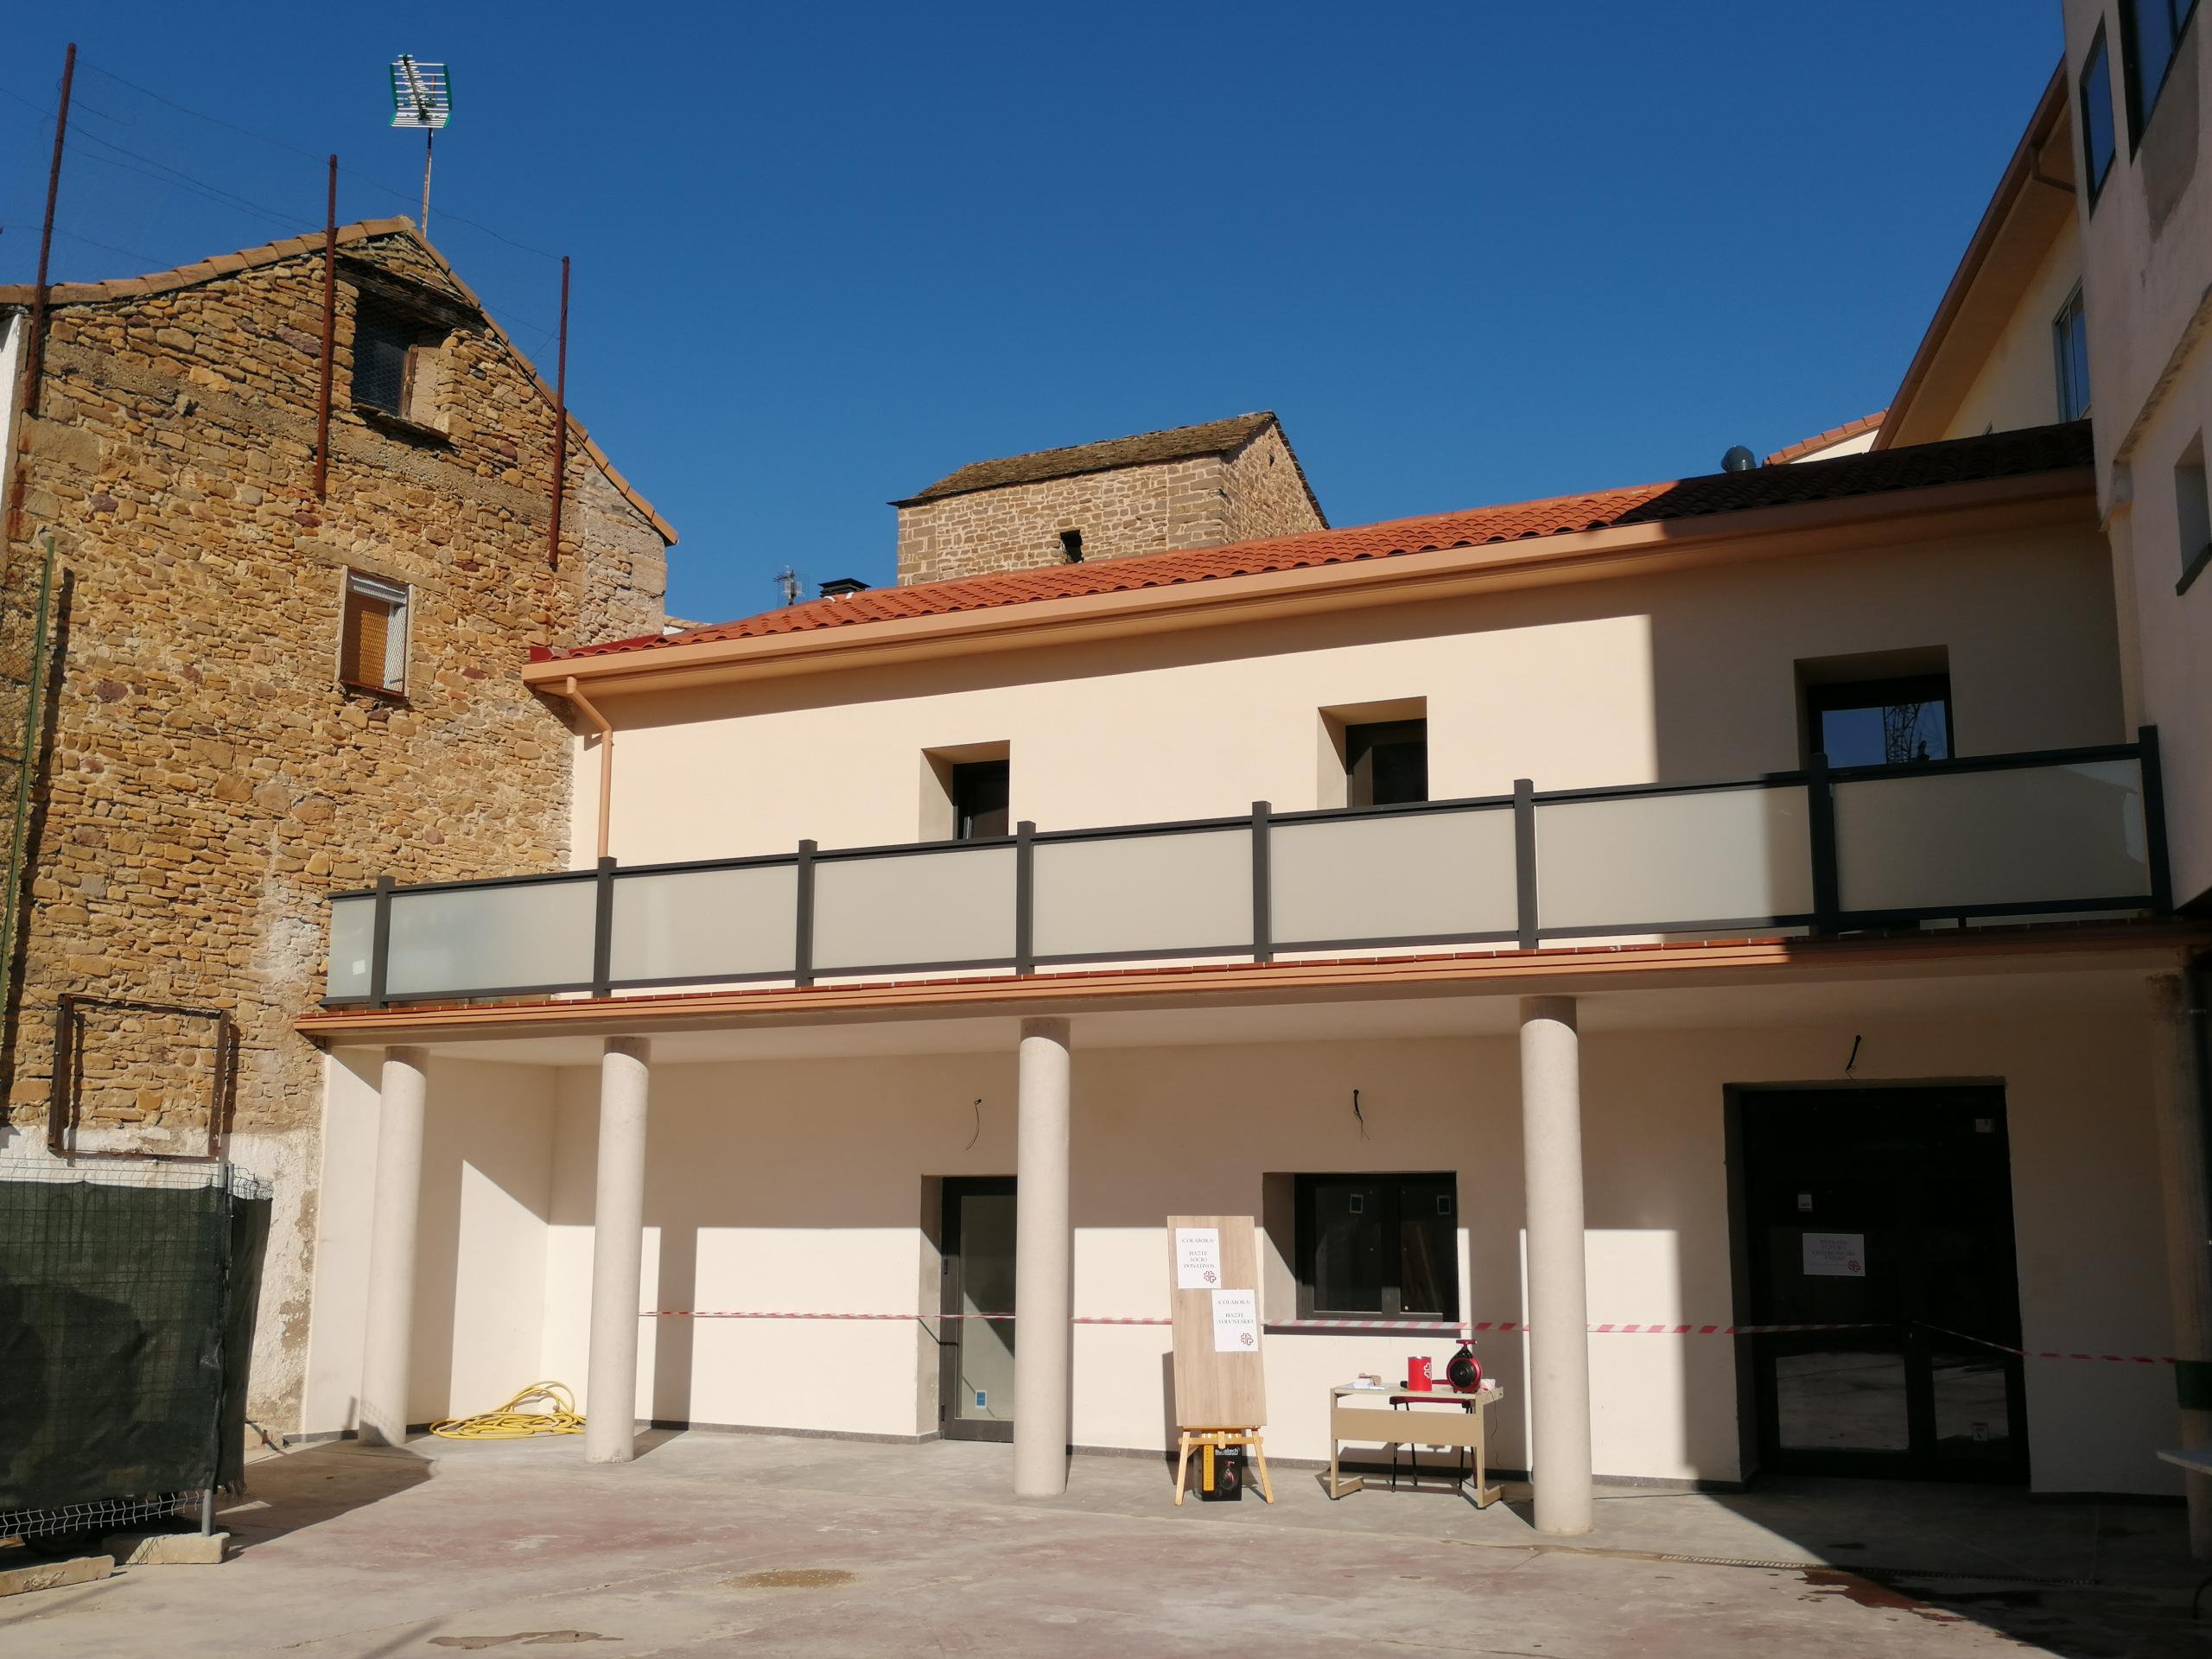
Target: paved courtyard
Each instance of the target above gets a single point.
(737, 1543)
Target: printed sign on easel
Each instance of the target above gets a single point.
(1197, 1258)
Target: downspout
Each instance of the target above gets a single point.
(583, 706)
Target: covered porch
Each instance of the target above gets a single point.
(727, 1208)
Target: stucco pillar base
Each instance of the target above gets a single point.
(618, 1249)
(1558, 1342)
(1043, 1263)
(388, 1329)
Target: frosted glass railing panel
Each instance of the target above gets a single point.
(453, 940)
(693, 924)
(1429, 874)
(1144, 895)
(1714, 855)
(897, 909)
(2013, 837)
(352, 935)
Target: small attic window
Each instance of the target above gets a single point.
(1071, 546)
(396, 362)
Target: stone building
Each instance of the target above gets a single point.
(257, 694)
(1233, 480)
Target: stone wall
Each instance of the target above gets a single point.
(204, 782)
(1202, 501)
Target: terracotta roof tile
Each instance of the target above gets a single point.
(1822, 440)
(2048, 449)
(1145, 449)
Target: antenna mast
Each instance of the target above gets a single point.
(422, 96)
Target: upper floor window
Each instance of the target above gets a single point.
(1071, 546)
(396, 362)
(1882, 723)
(2070, 339)
(372, 638)
(2192, 513)
(1386, 764)
(980, 790)
(2150, 31)
(2098, 140)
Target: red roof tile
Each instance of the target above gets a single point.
(2048, 449)
(1822, 439)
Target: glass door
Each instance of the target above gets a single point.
(976, 1371)
(1886, 1214)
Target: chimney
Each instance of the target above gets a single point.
(839, 587)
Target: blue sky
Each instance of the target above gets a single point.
(824, 255)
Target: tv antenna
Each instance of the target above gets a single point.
(422, 96)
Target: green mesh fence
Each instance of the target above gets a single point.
(127, 1297)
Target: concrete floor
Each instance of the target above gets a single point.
(731, 1543)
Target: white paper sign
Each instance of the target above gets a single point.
(1197, 1258)
(1835, 1255)
(1236, 1321)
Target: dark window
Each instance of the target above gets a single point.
(390, 350)
(979, 800)
(1071, 546)
(2070, 338)
(1882, 723)
(2097, 138)
(2149, 31)
(1386, 764)
(1380, 1245)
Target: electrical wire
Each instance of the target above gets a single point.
(511, 1422)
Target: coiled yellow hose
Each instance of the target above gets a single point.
(511, 1422)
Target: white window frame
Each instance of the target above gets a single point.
(398, 595)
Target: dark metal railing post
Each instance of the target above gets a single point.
(1263, 914)
(803, 947)
(602, 932)
(2154, 819)
(380, 942)
(1024, 897)
(1819, 829)
(1524, 861)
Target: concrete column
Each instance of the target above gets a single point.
(1042, 1263)
(618, 1250)
(1559, 1317)
(388, 1337)
(2178, 1102)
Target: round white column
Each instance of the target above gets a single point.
(1558, 1342)
(618, 1249)
(1043, 1263)
(388, 1331)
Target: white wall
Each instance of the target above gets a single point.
(2017, 384)
(1688, 675)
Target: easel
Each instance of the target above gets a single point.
(1208, 1441)
(1214, 1388)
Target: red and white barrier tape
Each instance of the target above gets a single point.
(1500, 1327)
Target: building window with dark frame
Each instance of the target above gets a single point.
(2070, 342)
(1889, 722)
(373, 636)
(2099, 144)
(396, 362)
(980, 790)
(1386, 764)
(1378, 1246)
(2150, 40)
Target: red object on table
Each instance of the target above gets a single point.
(1417, 1377)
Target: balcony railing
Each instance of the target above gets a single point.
(1818, 851)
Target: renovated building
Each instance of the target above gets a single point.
(274, 668)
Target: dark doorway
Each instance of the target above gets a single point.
(1888, 1211)
(975, 1356)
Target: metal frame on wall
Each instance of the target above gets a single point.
(61, 1109)
(1826, 917)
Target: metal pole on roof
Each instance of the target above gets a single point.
(329, 334)
(46, 233)
(559, 426)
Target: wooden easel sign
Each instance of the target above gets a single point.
(1221, 1396)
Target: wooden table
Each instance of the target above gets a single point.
(1396, 1418)
(2196, 1460)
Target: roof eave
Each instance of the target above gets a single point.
(1839, 523)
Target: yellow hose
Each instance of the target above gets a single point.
(511, 1422)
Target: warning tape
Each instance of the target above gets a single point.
(1498, 1327)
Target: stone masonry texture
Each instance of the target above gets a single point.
(203, 783)
(1254, 491)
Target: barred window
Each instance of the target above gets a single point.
(395, 360)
